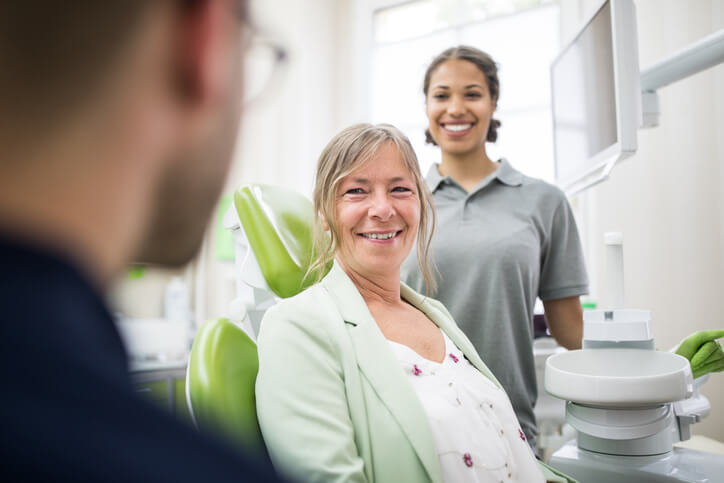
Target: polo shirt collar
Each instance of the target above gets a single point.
(434, 178)
(505, 173)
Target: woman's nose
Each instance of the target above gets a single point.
(455, 105)
(381, 207)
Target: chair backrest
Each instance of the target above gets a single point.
(220, 380)
(223, 364)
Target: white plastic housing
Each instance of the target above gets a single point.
(617, 325)
(618, 378)
(614, 268)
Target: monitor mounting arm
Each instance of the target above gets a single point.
(698, 56)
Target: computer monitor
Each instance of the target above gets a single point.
(596, 97)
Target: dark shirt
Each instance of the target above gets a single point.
(67, 407)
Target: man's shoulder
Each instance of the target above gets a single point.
(70, 411)
(104, 432)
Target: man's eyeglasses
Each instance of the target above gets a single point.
(262, 66)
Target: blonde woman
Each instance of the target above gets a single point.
(363, 379)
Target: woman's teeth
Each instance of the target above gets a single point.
(457, 127)
(379, 236)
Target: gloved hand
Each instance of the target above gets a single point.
(703, 351)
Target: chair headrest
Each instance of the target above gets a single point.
(279, 225)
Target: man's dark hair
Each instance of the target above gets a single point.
(54, 54)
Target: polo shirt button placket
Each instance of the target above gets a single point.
(465, 215)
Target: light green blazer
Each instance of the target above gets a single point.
(333, 402)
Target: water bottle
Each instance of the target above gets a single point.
(176, 301)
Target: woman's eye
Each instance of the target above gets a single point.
(440, 97)
(354, 191)
(473, 95)
(401, 189)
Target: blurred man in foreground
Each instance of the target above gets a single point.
(117, 124)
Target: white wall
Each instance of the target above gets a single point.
(667, 198)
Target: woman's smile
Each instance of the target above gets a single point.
(381, 237)
(457, 129)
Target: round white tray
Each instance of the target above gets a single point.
(618, 378)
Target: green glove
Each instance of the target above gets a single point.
(703, 351)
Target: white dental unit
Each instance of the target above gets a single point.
(629, 403)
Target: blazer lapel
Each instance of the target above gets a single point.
(380, 367)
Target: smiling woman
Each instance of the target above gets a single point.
(460, 106)
(360, 377)
(368, 151)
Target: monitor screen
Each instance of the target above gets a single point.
(592, 123)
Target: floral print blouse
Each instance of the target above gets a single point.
(476, 432)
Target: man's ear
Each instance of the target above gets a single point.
(202, 33)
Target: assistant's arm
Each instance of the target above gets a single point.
(301, 400)
(563, 276)
(564, 317)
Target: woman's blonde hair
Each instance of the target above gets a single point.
(346, 152)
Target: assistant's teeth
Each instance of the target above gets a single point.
(457, 127)
(379, 236)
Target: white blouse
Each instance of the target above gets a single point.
(476, 432)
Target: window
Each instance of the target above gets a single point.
(521, 35)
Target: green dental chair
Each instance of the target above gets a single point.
(272, 229)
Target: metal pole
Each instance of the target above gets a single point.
(701, 55)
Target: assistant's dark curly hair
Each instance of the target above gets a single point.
(482, 61)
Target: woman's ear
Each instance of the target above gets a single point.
(323, 221)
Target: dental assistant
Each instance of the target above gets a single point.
(362, 379)
(503, 238)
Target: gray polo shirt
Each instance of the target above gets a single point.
(511, 239)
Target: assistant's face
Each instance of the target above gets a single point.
(378, 212)
(190, 187)
(459, 107)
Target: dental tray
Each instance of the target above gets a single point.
(618, 378)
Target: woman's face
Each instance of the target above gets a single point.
(459, 107)
(378, 212)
